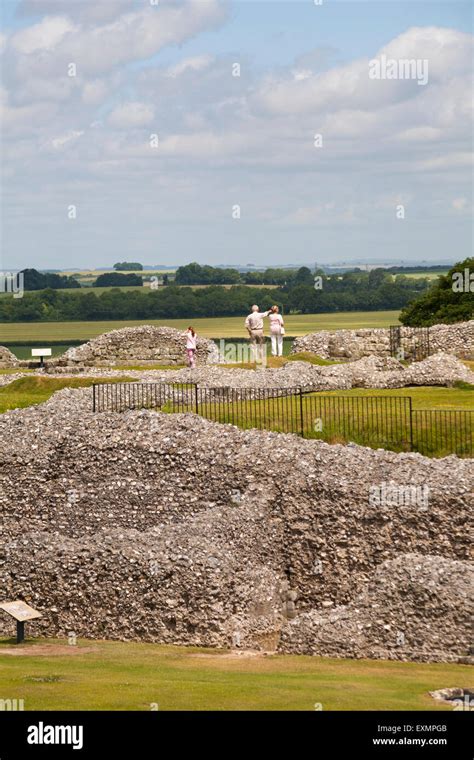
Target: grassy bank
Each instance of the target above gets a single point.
(106, 675)
(34, 389)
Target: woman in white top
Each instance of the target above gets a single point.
(276, 331)
(191, 345)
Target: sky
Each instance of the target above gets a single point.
(234, 132)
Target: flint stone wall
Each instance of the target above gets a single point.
(7, 358)
(160, 345)
(173, 529)
(457, 339)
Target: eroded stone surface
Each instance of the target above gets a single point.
(457, 339)
(7, 358)
(170, 528)
(163, 345)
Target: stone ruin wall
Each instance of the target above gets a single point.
(132, 345)
(457, 339)
(7, 358)
(173, 529)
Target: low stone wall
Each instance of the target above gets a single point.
(457, 339)
(172, 529)
(7, 359)
(159, 345)
(368, 372)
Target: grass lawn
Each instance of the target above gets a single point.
(423, 397)
(106, 675)
(14, 370)
(27, 391)
(215, 327)
(359, 415)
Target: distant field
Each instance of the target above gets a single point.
(426, 275)
(215, 327)
(113, 675)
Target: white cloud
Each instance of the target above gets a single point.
(420, 134)
(94, 92)
(224, 140)
(138, 35)
(90, 10)
(59, 142)
(198, 63)
(46, 35)
(131, 115)
(300, 74)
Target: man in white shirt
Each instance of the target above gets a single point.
(254, 325)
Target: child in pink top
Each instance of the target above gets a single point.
(191, 344)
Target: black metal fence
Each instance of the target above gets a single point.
(410, 343)
(378, 421)
(439, 432)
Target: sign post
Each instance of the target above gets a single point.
(21, 612)
(41, 352)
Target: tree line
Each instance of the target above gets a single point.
(195, 274)
(312, 294)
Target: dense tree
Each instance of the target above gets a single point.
(346, 292)
(303, 275)
(34, 280)
(450, 299)
(128, 266)
(115, 279)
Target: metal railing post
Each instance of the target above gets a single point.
(301, 413)
(411, 421)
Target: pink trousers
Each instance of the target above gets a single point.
(191, 352)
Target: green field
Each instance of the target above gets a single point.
(213, 327)
(358, 416)
(364, 420)
(425, 275)
(106, 675)
(33, 389)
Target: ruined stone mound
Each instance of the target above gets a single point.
(163, 345)
(170, 528)
(456, 339)
(411, 606)
(368, 372)
(378, 372)
(439, 369)
(7, 359)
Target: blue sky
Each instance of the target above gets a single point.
(227, 141)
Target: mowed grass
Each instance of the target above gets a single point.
(213, 327)
(106, 675)
(34, 389)
(356, 420)
(359, 415)
(423, 397)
